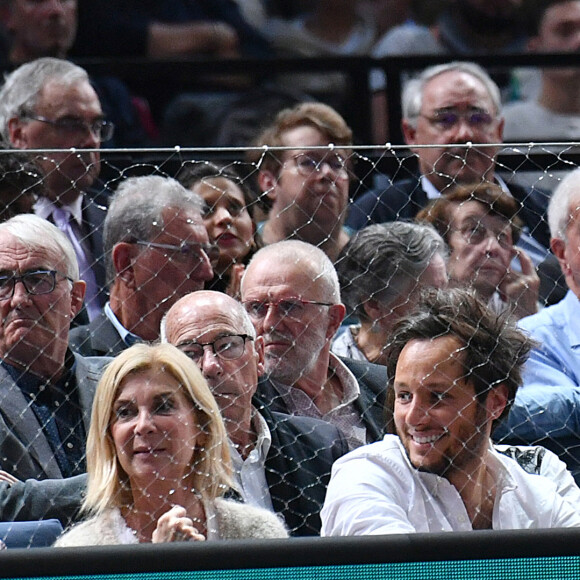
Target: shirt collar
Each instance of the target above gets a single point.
(128, 337)
(433, 193)
(44, 207)
(350, 388)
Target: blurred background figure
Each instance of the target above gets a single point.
(554, 113)
(329, 28)
(227, 216)
(158, 461)
(381, 272)
(19, 181)
(40, 28)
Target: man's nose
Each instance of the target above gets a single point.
(209, 363)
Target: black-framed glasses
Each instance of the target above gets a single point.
(185, 250)
(101, 129)
(474, 233)
(35, 282)
(230, 347)
(448, 118)
(292, 307)
(312, 162)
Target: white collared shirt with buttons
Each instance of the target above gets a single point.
(376, 490)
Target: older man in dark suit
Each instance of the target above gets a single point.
(291, 292)
(49, 103)
(282, 463)
(46, 392)
(156, 251)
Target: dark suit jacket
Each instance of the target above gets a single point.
(24, 449)
(372, 382)
(298, 468)
(405, 198)
(94, 206)
(98, 338)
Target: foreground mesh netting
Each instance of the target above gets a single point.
(390, 285)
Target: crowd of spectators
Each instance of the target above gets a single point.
(203, 355)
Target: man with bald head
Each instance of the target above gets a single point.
(291, 292)
(282, 463)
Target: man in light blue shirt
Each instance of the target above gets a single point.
(547, 407)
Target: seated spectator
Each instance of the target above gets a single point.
(555, 114)
(47, 28)
(480, 224)
(291, 292)
(46, 392)
(157, 458)
(547, 407)
(455, 367)
(49, 103)
(451, 105)
(305, 189)
(165, 30)
(281, 462)
(381, 270)
(329, 28)
(227, 218)
(156, 252)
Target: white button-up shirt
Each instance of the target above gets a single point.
(376, 490)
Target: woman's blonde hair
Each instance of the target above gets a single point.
(108, 484)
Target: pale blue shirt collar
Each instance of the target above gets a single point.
(123, 332)
(433, 193)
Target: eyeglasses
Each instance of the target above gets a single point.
(100, 128)
(448, 118)
(229, 347)
(309, 163)
(186, 250)
(35, 282)
(293, 307)
(475, 233)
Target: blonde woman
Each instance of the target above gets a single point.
(158, 460)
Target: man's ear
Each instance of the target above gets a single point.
(17, 134)
(259, 348)
(409, 132)
(336, 314)
(497, 399)
(267, 182)
(558, 247)
(77, 296)
(122, 256)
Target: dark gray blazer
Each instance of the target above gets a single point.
(298, 468)
(24, 449)
(98, 338)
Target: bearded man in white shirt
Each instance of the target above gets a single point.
(455, 368)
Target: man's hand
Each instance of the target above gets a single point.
(175, 526)
(520, 290)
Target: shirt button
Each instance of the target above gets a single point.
(69, 445)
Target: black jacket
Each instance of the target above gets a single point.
(298, 467)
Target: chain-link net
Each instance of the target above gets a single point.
(493, 237)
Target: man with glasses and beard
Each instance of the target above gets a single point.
(291, 292)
